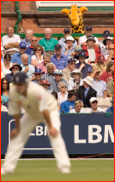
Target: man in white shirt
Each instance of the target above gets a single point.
(11, 41)
(94, 106)
(39, 106)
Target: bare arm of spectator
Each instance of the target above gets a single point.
(105, 94)
(15, 44)
(110, 90)
(94, 72)
(81, 66)
(8, 46)
(66, 50)
(111, 54)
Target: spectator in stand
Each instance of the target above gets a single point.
(110, 56)
(83, 39)
(3, 108)
(27, 40)
(105, 34)
(50, 73)
(45, 84)
(38, 57)
(2, 53)
(78, 107)
(42, 65)
(11, 41)
(59, 59)
(66, 72)
(4, 89)
(104, 47)
(107, 75)
(110, 87)
(6, 65)
(111, 109)
(68, 105)
(58, 77)
(37, 75)
(16, 58)
(100, 63)
(69, 48)
(26, 67)
(94, 106)
(99, 86)
(74, 82)
(91, 50)
(21, 30)
(66, 33)
(77, 50)
(13, 69)
(85, 92)
(62, 94)
(30, 49)
(48, 43)
(82, 66)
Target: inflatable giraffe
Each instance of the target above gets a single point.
(76, 16)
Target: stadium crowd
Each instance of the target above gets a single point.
(80, 74)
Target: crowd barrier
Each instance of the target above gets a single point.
(83, 134)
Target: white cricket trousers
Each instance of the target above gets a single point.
(27, 125)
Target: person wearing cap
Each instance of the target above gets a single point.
(111, 109)
(77, 50)
(16, 58)
(66, 33)
(85, 92)
(74, 82)
(104, 46)
(110, 87)
(45, 84)
(30, 49)
(100, 63)
(83, 39)
(110, 56)
(94, 106)
(105, 34)
(60, 60)
(58, 77)
(37, 75)
(82, 66)
(66, 72)
(50, 73)
(6, 65)
(48, 42)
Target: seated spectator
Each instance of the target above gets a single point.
(99, 86)
(100, 63)
(37, 75)
(38, 57)
(62, 94)
(68, 105)
(91, 50)
(77, 50)
(4, 89)
(30, 49)
(105, 34)
(104, 46)
(2, 53)
(45, 84)
(58, 77)
(26, 67)
(59, 59)
(66, 72)
(21, 30)
(50, 73)
(78, 107)
(74, 82)
(48, 43)
(3, 108)
(69, 48)
(111, 109)
(110, 87)
(27, 40)
(83, 39)
(13, 69)
(6, 65)
(11, 41)
(42, 65)
(82, 66)
(16, 58)
(107, 75)
(110, 56)
(94, 106)
(85, 92)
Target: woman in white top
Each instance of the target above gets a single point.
(38, 57)
(78, 107)
(63, 94)
(74, 82)
(6, 65)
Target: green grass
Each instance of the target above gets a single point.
(46, 170)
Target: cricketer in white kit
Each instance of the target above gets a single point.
(40, 106)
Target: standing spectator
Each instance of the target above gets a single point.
(50, 73)
(26, 67)
(83, 39)
(62, 94)
(78, 107)
(110, 56)
(100, 63)
(6, 65)
(27, 40)
(66, 72)
(110, 87)
(59, 59)
(68, 105)
(94, 108)
(4, 89)
(37, 75)
(11, 41)
(48, 42)
(30, 49)
(111, 109)
(38, 57)
(107, 75)
(16, 58)
(106, 42)
(85, 92)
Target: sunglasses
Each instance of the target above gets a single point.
(72, 63)
(75, 73)
(111, 48)
(63, 87)
(15, 68)
(38, 74)
(34, 40)
(58, 75)
(67, 32)
(4, 83)
(94, 102)
(22, 48)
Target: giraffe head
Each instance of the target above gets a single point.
(75, 14)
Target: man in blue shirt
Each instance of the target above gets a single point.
(16, 58)
(67, 105)
(60, 60)
(30, 49)
(111, 109)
